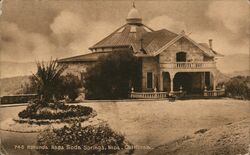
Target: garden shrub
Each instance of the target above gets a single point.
(99, 139)
(70, 86)
(238, 87)
(48, 79)
(57, 110)
(67, 85)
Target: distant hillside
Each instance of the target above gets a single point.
(234, 63)
(237, 73)
(13, 85)
(12, 69)
(223, 77)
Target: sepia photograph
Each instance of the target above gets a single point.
(129, 77)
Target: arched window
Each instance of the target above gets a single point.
(181, 56)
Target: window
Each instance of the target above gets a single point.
(149, 80)
(181, 57)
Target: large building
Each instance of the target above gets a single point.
(170, 62)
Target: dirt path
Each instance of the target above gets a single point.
(153, 123)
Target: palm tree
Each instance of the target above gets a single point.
(48, 79)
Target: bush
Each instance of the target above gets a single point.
(46, 82)
(112, 76)
(70, 86)
(29, 87)
(41, 111)
(88, 140)
(238, 87)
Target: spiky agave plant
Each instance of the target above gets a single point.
(48, 79)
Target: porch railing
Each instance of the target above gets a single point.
(220, 92)
(148, 95)
(189, 65)
(153, 95)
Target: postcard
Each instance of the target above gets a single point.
(81, 77)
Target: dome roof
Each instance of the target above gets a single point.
(134, 16)
(126, 35)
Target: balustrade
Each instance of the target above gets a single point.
(189, 65)
(148, 95)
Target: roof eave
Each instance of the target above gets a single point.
(108, 46)
(75, 61)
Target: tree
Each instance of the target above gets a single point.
(112, 76)
(70, 86)
(238, 86)
(48, 79)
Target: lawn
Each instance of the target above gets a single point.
(147, 123)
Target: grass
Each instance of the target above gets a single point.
(152, 123)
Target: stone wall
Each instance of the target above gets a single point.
(183, 45)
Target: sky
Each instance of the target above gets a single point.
(32, 30)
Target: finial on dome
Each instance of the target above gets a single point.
(133, 4)
(134, 16)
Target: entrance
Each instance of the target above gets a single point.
(183, 80)
(191, 82)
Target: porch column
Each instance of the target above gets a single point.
(203, 80)
(214, 84)
(161, 81)
(214, 80)
(171, 85)
(171, 82)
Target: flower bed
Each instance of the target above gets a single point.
(100, 139)
(40, 113)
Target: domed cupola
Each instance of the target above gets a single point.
(134, 17)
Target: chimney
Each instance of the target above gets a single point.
(211, 43)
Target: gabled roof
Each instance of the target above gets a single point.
(153, 41)
(165, 40)
(90, 57)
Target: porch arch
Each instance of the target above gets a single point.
(191, 82)
(184, 80)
